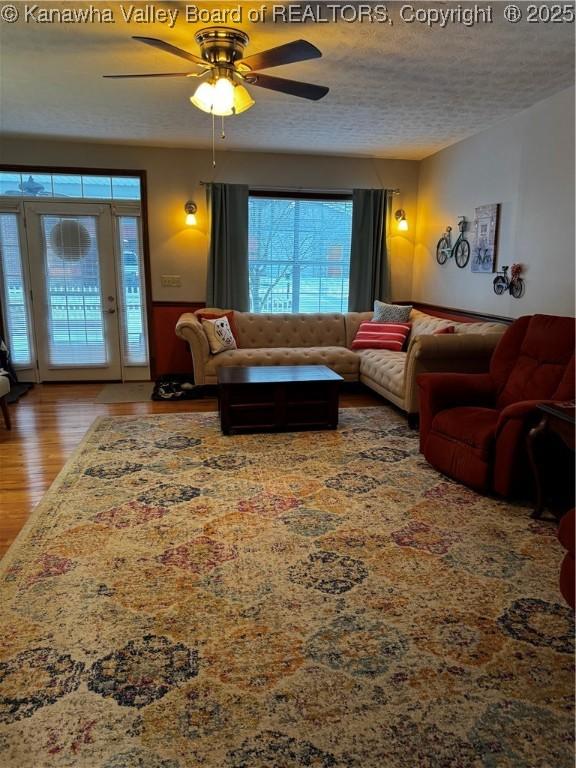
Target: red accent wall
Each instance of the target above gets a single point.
(171, 354)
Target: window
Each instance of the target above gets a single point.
(133, 301)
(60, 185)
(14, 292)
(299, 253)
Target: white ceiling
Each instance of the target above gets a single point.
(400, 91)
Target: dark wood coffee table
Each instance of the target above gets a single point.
(278, 398)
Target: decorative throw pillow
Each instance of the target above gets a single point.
(204, 314)
(391, 313)
(373, 335)
(219, 333)
(446, 329)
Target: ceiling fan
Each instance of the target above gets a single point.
(222, 58)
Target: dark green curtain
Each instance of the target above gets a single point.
(227, 280)
(369, 268)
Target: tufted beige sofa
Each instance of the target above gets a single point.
(325, 339)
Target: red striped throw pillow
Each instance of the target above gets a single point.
(381, 336)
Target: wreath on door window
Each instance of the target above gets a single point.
(70, 240)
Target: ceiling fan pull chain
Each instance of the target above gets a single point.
(213, 141)
(222, 134)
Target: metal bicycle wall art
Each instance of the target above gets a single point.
(514, 283)
(460, 251)
(485, 237)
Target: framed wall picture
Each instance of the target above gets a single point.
(485, 233)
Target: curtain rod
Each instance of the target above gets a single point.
(298, 189)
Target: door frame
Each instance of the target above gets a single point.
(72, 170)
(37, 255)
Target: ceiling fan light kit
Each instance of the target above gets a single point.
(222, 98)
(222, 58)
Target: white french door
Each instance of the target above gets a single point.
(72, 277)
(78, 301)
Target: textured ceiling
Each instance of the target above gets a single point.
(401, 90)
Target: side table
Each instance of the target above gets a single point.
(557, 419)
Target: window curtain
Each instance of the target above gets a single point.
(369, 268)
(227, 280)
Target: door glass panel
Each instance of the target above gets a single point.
(132, 289)
(14, 292)
(72, 277)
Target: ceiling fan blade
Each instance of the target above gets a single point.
(156, 74)
(293, 87)
(155, 43)
(298, 50)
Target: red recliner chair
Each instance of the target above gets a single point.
(473, 426)
(566, 537)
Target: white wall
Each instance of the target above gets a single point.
(527, 165)
(174, 177)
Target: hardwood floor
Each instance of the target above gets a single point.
(49, 422)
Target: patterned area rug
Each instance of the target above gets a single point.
(185, 599)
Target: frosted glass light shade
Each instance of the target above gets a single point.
(203, 97)
(223, 101)
(222, 98)
(242, 100)
(403, 225)
(214, 98)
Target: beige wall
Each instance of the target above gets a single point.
(174, 177)
(527, 165)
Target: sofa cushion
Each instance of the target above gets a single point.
(391, 313)
(475, 427)
(480, 328)
(385, 367)
(260, 331)
(352, 321)
(381, 336)
(205, 314)
(423, 324)
(219, 334)
(339, 359)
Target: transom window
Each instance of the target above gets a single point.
(299, 253)
(62, 185)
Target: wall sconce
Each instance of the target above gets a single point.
(191, 209)
(400, 217)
